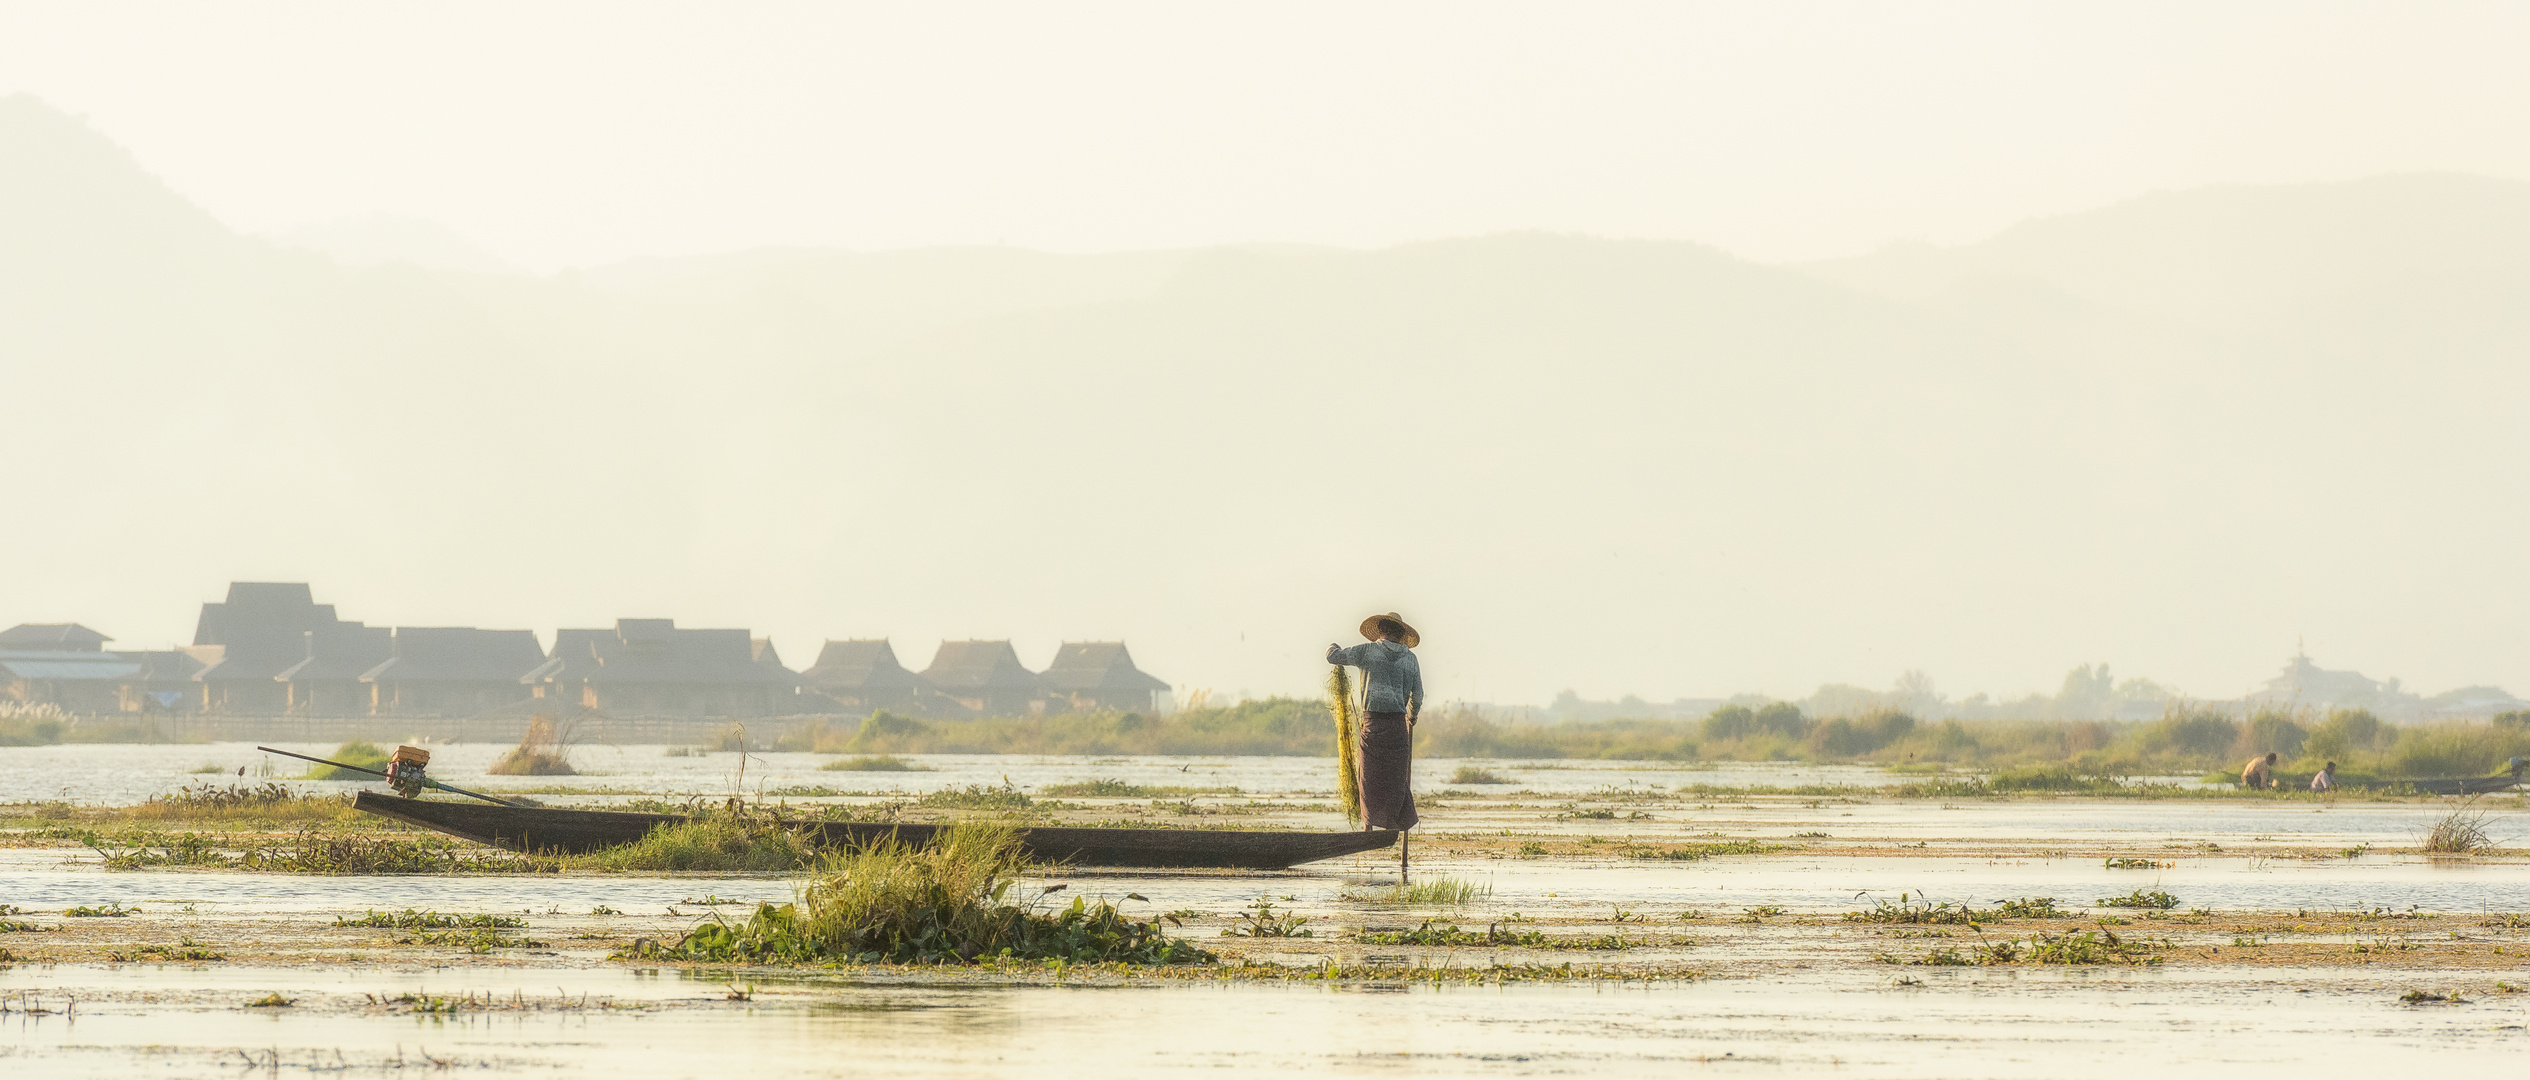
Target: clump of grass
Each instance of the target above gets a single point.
(540, 752)
(214, 801)
(477, 940)
(1432, 890)
(409, 919)
(2030, 907)
(2155, 900)
(1434, 934)
(208, 770)
(114, 910)
(356, 752)
(2124, 862)
(2427, 997)
(1469, 774)
(1260, 920)
(185, 949)
(2101, 946)
(713, 842)
(143, 849)
(272, 1000)
(977, 797)
(874, 763)
(1915, 911)
(942, 903)
(1118, 789)
(1693, 852)
(2460, 832)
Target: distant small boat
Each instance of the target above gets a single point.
(543, 829)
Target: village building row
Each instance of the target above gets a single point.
(269, 649)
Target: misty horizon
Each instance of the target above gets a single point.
(2174, 375)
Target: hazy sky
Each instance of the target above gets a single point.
(556, 134)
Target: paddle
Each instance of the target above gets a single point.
(426, 781)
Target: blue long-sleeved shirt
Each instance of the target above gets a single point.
(1392, 678)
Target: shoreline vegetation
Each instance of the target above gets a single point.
(2028, 755)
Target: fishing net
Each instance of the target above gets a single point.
(1348, 742)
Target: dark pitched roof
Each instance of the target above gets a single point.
(979, 665)
(860, 665)
(345, 650)
(1096, 665)
(764, 653)
(57, 637)
(164, 665)
(458, 654)
(655, 651)
(76, 664)
(268, 628)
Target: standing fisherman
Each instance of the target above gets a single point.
(1392, 697)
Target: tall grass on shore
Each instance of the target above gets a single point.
(948, 902)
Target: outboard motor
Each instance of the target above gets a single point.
(404, 771)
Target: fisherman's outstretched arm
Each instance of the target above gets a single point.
(1357, 656)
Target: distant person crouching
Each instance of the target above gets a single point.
(2326, 780)
(2259, 774)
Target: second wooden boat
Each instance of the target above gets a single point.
(545, 829)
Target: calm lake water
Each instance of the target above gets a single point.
(191, 1020)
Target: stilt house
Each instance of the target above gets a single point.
(649, 667)
(64, 665)
(452, 671)
(864, 676)
(985, 677)
(278, 650)
(1100, 675)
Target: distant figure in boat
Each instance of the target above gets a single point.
(2260, 772)
(2326, 780)
(1392, 698)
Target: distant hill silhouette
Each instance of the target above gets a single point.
(2194, 422)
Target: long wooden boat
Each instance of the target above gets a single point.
(545, 829)
(2474, 785)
